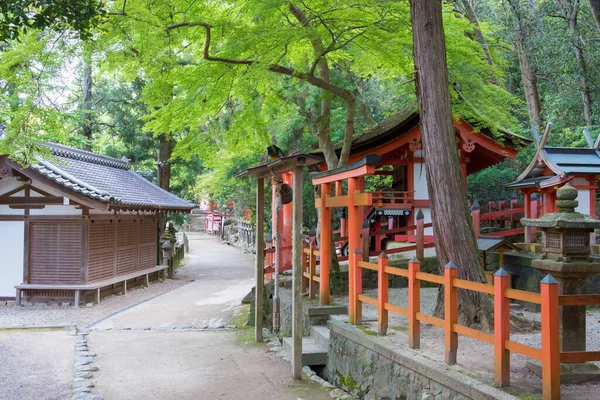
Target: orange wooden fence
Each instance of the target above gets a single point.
(309, 269)
(549, 354)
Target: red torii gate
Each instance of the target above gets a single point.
(355, 200)
(295, 164)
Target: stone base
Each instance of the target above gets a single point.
(570, 373)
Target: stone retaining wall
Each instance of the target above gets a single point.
(370, 367)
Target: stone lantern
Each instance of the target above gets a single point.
(567, 257)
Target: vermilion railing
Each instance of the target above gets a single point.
(392, 199)
(549, 354)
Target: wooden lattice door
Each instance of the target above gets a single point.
(55, 252)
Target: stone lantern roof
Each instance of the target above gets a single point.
(566, 217)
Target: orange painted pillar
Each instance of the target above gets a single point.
(550, 339)
(593, 189)
(382, 294)
(325, 246)
(312, 266)
(534, 214)
(286, 232)
(501, 329)
(414, 304)
(357, 287)
(305, 246)
(450, 313)
(527, 209)
(354, 226)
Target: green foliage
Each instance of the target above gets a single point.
(17, 16)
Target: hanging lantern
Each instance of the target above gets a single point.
(286, 193)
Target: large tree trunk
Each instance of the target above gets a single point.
(86, 125)
(454, 236)
(530, 86)
(595, 5)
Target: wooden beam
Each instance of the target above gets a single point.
(353, 173)
(297, 275)
(260, 259)
(31, 201)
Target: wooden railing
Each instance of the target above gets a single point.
(392, 199)
(549, 300)
(309, 268)
(503, 216)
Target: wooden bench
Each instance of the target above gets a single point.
(77, 289)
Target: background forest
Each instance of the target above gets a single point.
(192, 92)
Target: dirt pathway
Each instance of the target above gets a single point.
(174, 346)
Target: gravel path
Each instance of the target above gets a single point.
(36, 364)
(476, 358)
(41, 314)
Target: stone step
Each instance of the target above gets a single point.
(312, 352)
(339, 317)
(320, 334)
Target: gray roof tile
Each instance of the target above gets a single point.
(106, 179)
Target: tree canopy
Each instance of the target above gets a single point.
(204, 87)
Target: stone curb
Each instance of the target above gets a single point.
(440, 373)
(83, 369)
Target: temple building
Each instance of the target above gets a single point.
(76, 223)
(553, 167)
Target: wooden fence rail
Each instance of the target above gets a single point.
(549, 354)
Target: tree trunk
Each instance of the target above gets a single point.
(586, 97)
(454, 236)
(472, 16)
(530, 86)
(595, 5)
(86, 125)
(164, 173)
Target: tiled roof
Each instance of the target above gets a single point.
(105, 179)
(574, 160)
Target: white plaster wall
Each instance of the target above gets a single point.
(56, 210)
(580, 181)
(12, 240)
(583, 197)
(8, 184)
(420, 181)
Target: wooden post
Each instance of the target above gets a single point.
(353, 243)
(312, 266)
(366, 240)
(491, 205)
(297, 275)
(527, 214)
(476, 218)
(305, 246)
(76, 300)
(414, 304)
(382, 294)
(513, 205)
(550, 339)
(325, 246)
(501, 328)
(534, 214)
(450, 313)
(260, 259)
(357, 287)
(420, 236)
